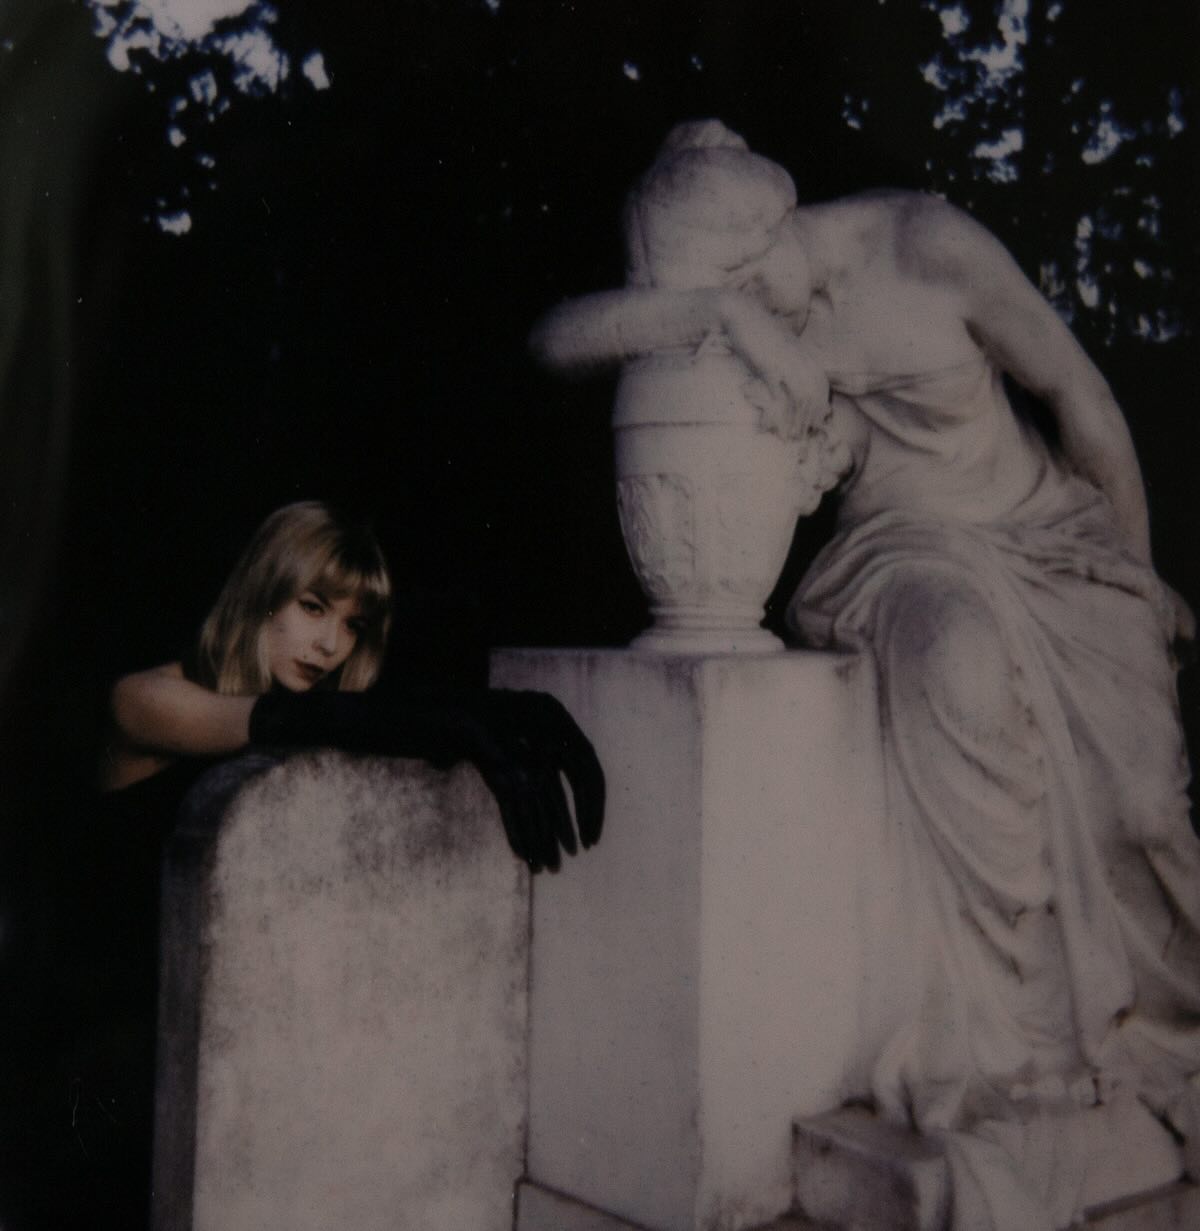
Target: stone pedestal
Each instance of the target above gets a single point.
(702, 978)
(343, 1006)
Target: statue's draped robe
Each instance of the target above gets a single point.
(1036, 773)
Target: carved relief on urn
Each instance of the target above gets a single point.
(708, 499)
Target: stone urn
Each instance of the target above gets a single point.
(708, 499)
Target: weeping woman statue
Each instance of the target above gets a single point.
(1003, 584)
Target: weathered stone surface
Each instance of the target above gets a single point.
(708, 499)
(1000, 576)
(360, 978)
(701, 976)
(855, 1172)
(539, 1209)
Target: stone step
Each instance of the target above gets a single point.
(542, 1209)
(1175, 1207)
(856, 1172)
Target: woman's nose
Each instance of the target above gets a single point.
(326, 638)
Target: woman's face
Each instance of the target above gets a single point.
(309, 637)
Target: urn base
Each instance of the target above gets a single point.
(701, 630)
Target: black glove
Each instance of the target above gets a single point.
(519, 741)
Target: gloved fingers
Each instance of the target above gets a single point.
(543, 850)
(544, 781)
(542, 721)
(542, 807)
(534, 738)
(512, 815)
(582, 769)
(541, 811)
(554, 802)
(576, 758)
(532, 819)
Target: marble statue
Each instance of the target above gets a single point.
(721, 429)
(1003, 583)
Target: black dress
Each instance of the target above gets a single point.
(79, 1137)
(98, 1096)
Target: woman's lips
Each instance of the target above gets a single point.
(309, 671)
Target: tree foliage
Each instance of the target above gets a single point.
(1065, 123)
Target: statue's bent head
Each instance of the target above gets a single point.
(706, 205)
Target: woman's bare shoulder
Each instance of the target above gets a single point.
(164, 671)
(132, 692)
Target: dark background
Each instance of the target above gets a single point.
(347, 316)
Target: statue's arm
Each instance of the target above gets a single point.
(1008, 317)
(613, 326)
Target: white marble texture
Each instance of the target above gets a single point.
(1001, 578)
(708, 498)
(361, 990)
(717, 965)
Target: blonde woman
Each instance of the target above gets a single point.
(307, 605)
(285, 657)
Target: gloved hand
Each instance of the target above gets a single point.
(519, 741)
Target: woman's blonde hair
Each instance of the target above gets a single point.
(303, 546)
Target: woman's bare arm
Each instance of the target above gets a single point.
(160, 715)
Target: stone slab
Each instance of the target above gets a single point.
(858, 1173)
(345, 1021)
(539, 1209)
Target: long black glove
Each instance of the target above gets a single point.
(519, 741)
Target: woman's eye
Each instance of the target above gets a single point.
(310, 605)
